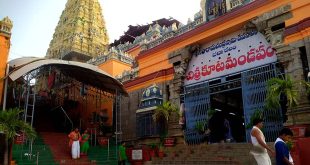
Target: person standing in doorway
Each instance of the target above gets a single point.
(85, 143)
(259, 144)
(228, 135)
(283, 156)
(217, 128)
(122, 157)
(74, 143)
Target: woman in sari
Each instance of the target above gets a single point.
(84, 143)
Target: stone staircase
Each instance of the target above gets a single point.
(58, 143)
(211, 154)
(99, 155)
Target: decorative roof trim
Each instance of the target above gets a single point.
(148, 77)
(297, 27)
(103, 81)
(206, 26)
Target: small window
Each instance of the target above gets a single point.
(278, 27)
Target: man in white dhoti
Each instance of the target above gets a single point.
(259, 144)
(74, 143)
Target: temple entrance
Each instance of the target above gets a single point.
(235, 97)
(228, 106)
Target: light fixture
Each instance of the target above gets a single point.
(218, 110)
(232, 113)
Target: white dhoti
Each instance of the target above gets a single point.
(75, 150)
(261, 158)
(259, 152)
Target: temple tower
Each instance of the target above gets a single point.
(5, 36)
(81, 33)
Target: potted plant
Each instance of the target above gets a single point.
(10, 126)
(161, 153)
(162, 114)
(105, 133)
(174, 154)
(152, 150)
(290, 144)
(105, 130)
(256, 115)
(200, 127)
(285, 86)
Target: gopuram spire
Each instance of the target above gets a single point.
(81, 33)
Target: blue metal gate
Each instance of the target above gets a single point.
(254, 83)
(197, 103)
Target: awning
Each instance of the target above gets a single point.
(82, 72)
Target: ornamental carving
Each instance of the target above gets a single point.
(211, 9)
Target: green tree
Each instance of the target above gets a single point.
(282, 86)
(163, 113)
(258, 114)
(11, 125)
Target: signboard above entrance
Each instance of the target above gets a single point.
(231, 54)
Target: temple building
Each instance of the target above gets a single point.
(221, 60)
(81, 32)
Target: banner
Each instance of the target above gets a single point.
(233, 53)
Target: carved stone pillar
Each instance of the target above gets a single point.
(300, 114)
(179, 59)
(288, 56)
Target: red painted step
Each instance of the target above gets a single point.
(58, 143)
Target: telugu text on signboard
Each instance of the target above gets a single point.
(230, 54)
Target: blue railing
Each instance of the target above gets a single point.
(254, 91)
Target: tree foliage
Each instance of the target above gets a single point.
(281, 86)
(286, 87)
(11, 125)
(164, 111)
(258, 114)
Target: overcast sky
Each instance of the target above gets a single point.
(34, 21)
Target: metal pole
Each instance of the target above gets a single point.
(38, 157)
(27, 97)
(5, 86)
(95, 136)
(108, 148)
(20, 95)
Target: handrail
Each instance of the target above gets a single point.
(67, 117)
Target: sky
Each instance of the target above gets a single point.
(34, 21)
